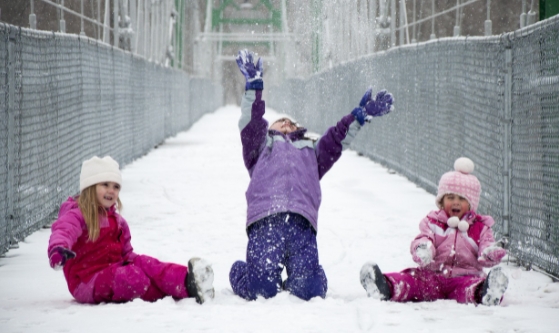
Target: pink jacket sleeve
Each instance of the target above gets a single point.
(66, 230)
(127, 249)
(486, 239)
(425, 235)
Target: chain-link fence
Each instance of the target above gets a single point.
(64, 99)
(492, 99)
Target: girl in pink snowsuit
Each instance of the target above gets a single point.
(453, 247)
(91, 241)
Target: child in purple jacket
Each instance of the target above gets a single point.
(91, 241)
(452, 248)
(284, 194)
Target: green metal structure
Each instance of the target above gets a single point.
(179, 25)
(548, 8)
(218, 17)
(246, 14)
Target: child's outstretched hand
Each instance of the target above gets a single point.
(491, 255)
(252, 73)
(369, 107)
(423, 254)
(58, 257)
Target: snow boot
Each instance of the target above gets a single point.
(494, 287)
(199, 280)
(374, 282)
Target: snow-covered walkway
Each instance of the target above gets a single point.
(186, 198)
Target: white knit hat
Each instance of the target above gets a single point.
(460, 182)
(97, 170)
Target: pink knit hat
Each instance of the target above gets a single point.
(460, 182)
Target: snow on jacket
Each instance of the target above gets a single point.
(455, 252)
(112, 246)
(285, 170)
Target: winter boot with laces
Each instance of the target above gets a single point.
(374, 282)
(494, 287)
(199, 281)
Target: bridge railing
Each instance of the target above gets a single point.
(65, 98)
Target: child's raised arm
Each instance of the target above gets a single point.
(252, 125)
(338, 138)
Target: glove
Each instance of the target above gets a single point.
(368, 107)
(58, 257)
(253, 74)
(381, 105)
(423, 254)
(492, 255)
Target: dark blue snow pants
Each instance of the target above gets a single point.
(274, 242)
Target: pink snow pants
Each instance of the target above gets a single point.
(146, 278)
(418, 285)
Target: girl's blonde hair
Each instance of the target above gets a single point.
(92, 210)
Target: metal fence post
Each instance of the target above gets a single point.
(507, 139)
(11, 219)
(106, 23)
(133, 25)
(414, 37)
(116, 36)
(393, 23)
(523, 15)
(82, 31)
(32, 17)
(488, 24)
(99, 19)
(62, 22)
(402, 21)
(433, 36)
(457, 25)
(532, 16)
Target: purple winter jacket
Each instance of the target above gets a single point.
(285, 170)
(455, 252)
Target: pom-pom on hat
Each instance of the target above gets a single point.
(460, 182)
(97, 170)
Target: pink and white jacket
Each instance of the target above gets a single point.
(455, 252)
(112, 246)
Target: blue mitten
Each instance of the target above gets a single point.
(252, 73)
(369, 107)
(381, 105)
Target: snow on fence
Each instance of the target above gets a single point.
(493, 99)
(65, 98)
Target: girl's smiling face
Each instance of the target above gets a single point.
(455, 205)
(107, 193)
